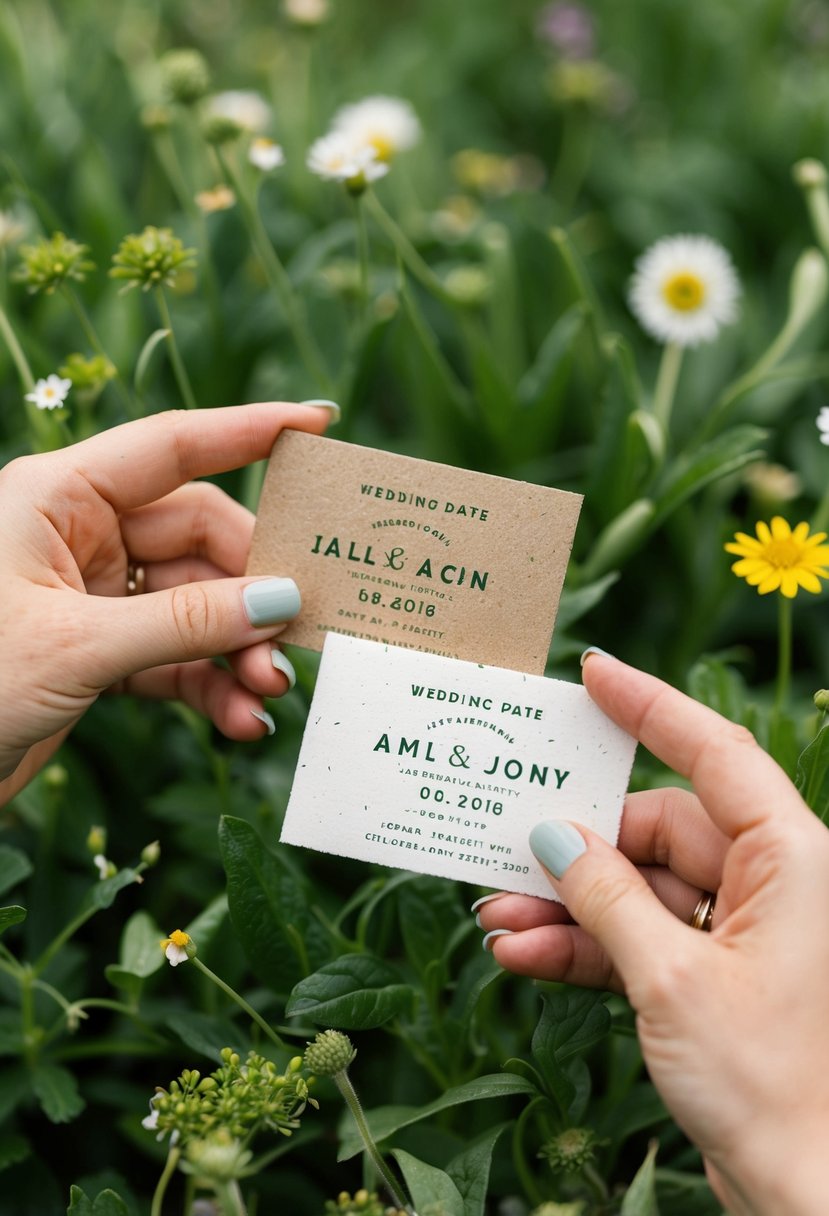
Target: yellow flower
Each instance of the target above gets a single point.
(779, 559)
(175, 947)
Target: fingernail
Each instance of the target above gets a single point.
(556, 844)
(495, 933)
(271, 600)
(485, 899)
(282, 663)
(326, 405)
(264, 716)
(594, 650)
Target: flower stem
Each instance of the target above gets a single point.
(666, 382)
(343, 1083)
(240, 1001)
(96, 344)
(163, 1182)
(784, 653)
(820, 519)
(230, 1198)
(179, 369)
(409, 256)
(278, 277)
(362, 254)
(16, 352)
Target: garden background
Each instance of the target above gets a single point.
(469, 307)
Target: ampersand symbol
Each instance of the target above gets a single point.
(395, 559)
(459, 758)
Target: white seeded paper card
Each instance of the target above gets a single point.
(443, 766)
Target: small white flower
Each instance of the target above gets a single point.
(48, 394)
(150, 1121)
(106, 868)
(387, 124)
(266, 155)
(306, 12)
(175, 947)
(822, 422)
(337, 158)
(247, 109)
(684, 290)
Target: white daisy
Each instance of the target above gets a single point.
(48, 394)
(265, 154)
(175, 947)
(337, 158)
(306, 12)
(387, 124)
(247, 109)
(684, 290)
(822, 422)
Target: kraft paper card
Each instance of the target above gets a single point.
(413, 554)
(443, 766)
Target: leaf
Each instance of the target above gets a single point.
(355, 992)
(573, 605)
(11, 1033)
(429, 912)
(718, 686)
(269, 909)
(640, 1197)
(143, 361)
(812, 778)
(12, 915)
(572, 1019)
(13, 1149)
(729, 452)
(433, 1192)
(538, 386)
(141, 953)
(107, 1203)
(103, 894)
(57, 1091)
(384, 1121)
(14, 867)
(205, 926)
(207, 1034)
(470, 1171)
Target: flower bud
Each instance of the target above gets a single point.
(220, 129)
(55, 776)
(331, 1052)
(151, 853)
(96, 840)
(185, 75)
(809, 173)
(821, 700)
(571, 1149)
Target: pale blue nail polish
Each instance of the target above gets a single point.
(264, 716)
(271, 600)
(556, 844)
(485, 899)
(594, 650)
(485, 944)
(326, 405)
(282, 663)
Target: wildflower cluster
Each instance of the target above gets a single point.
(88, 375)
(363, 139)
(51, 262)
(237, 1100)
(152, 258)
(362, 1203)
(570, 1150)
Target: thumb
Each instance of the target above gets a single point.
(608, 897)
(191, 621)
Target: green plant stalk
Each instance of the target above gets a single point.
(666, 382)
(519, 1159)
(820, 519)
(278, 277)
(362, 254)
(574, 155)
(164, 1180)
(42, 962)
(343, 1083)
(409, 256)
(817, 203)
(784, 652)
(179, 370)
(27, 1015)
(96, 344)
(40, 427)
(240, 1001)
(230, 1198)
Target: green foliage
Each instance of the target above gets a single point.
(469, 308)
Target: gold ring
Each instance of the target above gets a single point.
(136, 579)
(704, 912)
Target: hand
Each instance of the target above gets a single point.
(72, 520)
(732, 1023)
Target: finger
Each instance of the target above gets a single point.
(559, 953)
(116, 637)
(209, 690)
(668, 827)
(162, 576)
(264, 669)
(738, 783)
(609, 899)
(140, 461)
(199, 520)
